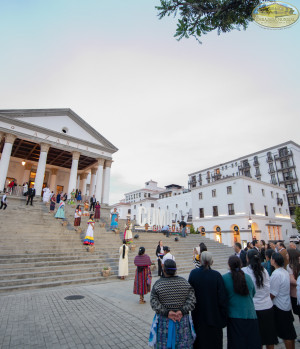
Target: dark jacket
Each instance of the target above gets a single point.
(211, 306)
(243, 255)
(158, 252)
(31, 192)
(93, 200)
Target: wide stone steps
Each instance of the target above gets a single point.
(38, 251)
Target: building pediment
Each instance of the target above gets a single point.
(60, 123)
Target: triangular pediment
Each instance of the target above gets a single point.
(61, 121)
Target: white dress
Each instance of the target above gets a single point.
(47, 193)
(123, 262)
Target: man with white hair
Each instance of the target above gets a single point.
(210, 313)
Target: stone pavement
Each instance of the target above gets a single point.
(108, 316)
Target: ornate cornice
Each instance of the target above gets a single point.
(75, 155)
(45, 147)
(54, 171)
(94, 170)
(83, 176)
(108, 163)
(101, 162)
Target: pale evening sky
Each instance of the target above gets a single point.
(170, 107)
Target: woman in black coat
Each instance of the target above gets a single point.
(159, 254)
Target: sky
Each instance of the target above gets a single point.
(171, 108)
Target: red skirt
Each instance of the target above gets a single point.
(97, 213)
(77, 222)
(141, 285)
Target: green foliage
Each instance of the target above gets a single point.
(198, 17)
(297, 218)
(192, 230)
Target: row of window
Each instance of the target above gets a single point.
(152, 205)
(137, 195)
(229, 191)
(231, 211)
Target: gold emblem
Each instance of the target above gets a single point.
(276, 15)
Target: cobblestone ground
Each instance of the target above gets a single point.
(108, 316)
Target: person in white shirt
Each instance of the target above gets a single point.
(167, 255)
(166, 230)
(3, 202)
(280, 294)
(262, 301)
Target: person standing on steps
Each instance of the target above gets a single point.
(92, 203)
(60, 213)
(77, 216)
(3, 202)
(142, 281)
(114, 219)
(31, 195)
(123, 261)
(52, 203)
(89, 237)
(183, 229)
(97, 211)
(160, 254)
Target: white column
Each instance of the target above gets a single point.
(106, 182)
(40, 172)
(98, 190)
(82, 186)
(53, 180)
(26, 173)
(73, 173)
(93, 181)
(5, 157)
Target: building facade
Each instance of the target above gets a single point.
(278, 165)
(54, 148)
(240, 209)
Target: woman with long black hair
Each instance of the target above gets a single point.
(242, 324)
(262, 301)
(293, 268)
(123, 261)
(143, 277)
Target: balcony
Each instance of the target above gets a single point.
(216, 177)
(192, 184)
(288, 179)
(269, 158)
(286, 167)
(271, 170)
(244, 166)
(256, 163)
(283, 155)
(257, 174)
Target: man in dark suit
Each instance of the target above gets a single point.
(92, 203)
(31, 195)
(240, 253)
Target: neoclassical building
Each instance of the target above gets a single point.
(54, 147)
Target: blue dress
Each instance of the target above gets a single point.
(114, 221)
(79, 198)
(60, 213)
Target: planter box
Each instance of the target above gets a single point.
(106, 272)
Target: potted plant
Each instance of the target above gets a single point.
(153, 266)
(106, 271)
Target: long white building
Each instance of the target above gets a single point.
(278, 165)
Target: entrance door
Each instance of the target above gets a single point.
(59, 189)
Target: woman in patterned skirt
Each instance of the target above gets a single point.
(52, 203)
(89, 237)
(172, 299)
(142, 281)
(97, 211)
(77, 216)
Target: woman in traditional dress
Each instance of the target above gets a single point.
(72, 201)
(58, 196)
(46, 195)
(242, 323)
(128, 233)
(114, 219)
(52, 203)
(89, 237)
(172, 298)
(160, 254)
(123, 261)
(97, 211)
(142, 281)
(79, 197)
(86, 209)
(60, 213)
(25, 188)
(77, 219)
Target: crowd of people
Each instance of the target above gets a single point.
(256, 299)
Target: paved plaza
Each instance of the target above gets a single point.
(108, 316)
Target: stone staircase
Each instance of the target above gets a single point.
(37, 251)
